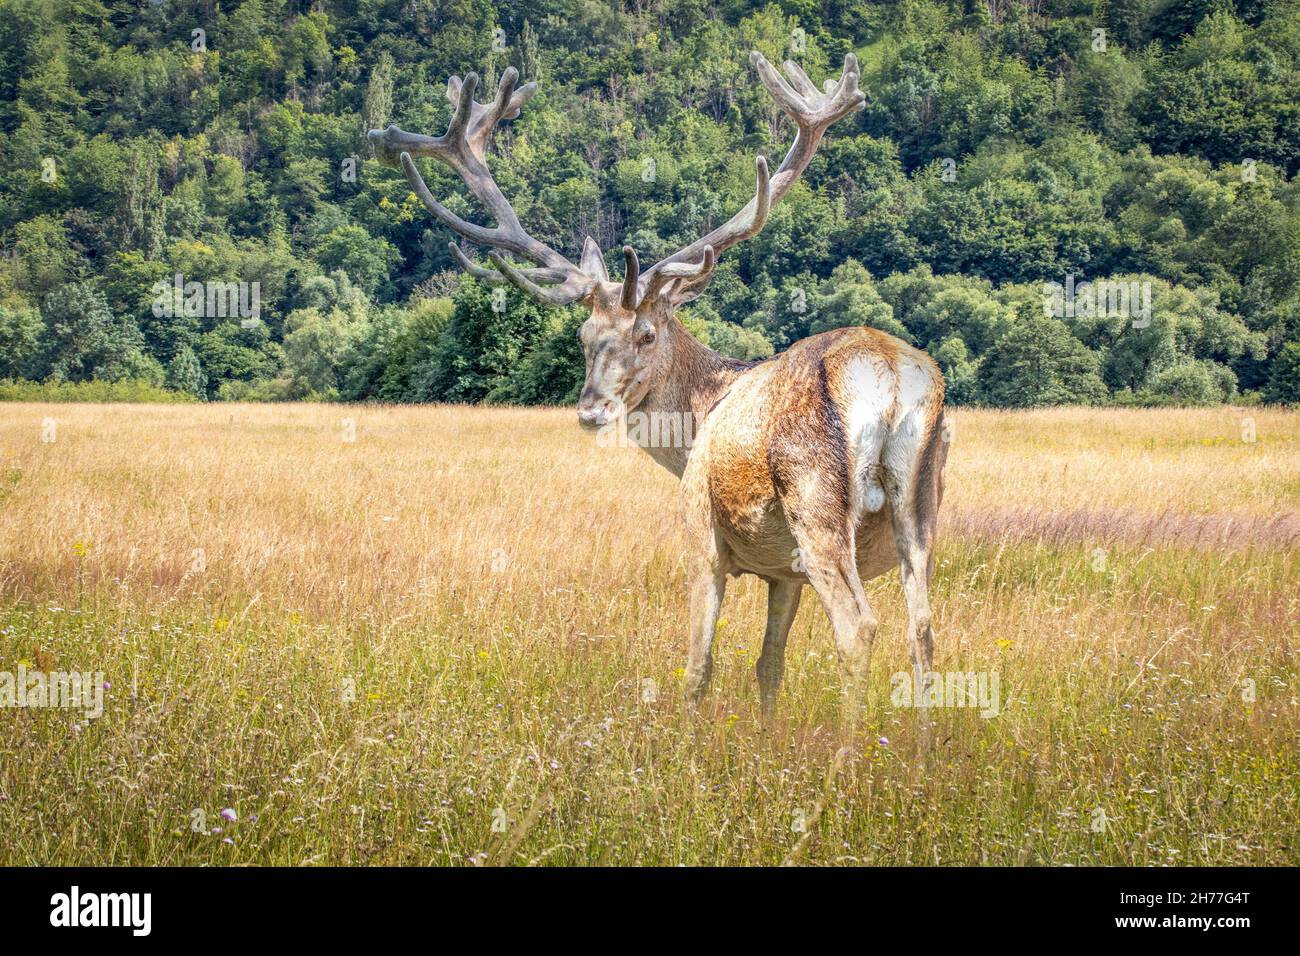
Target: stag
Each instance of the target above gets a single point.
(822, 465)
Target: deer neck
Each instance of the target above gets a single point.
(689, 381)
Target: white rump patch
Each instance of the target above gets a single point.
(871, 384)
(908, 436)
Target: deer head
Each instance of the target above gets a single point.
(622, 340)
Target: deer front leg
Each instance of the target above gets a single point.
(708, 584)
(708, 559)
(782, 605)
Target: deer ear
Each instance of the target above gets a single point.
(593, 263)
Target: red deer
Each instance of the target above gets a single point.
(821, 465)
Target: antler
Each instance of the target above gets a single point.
(464, 148)
(813, 113)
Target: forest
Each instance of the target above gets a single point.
(158, 150)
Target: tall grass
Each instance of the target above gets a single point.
(458, 639)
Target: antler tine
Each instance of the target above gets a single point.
(682, 270)
(505, 90)
(744, 224)
(776, 84)
(479, 234)
(520, 97)
(494, 277)
(473, 268)
(463, 147)
(799, 78)
(458, 126)
(505, 105)
(687, 276)
(631, 275)
(812, 112)
(571, 289)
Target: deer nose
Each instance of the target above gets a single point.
(595, 414)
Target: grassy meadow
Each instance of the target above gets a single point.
(455, 636)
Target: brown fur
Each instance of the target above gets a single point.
(768, 486)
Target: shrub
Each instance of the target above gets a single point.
(124, 390)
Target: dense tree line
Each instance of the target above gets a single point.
(1006, 144)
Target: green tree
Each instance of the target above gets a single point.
(231, 351)
(20, 334)
(185, 374)
(379, 93)
(316, 346)
(1284, 380)
(365, 258)
(1038, 362)
(852, 299)
(84, 340)
(1193, 383)
(487, 336)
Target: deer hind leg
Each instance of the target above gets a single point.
(915, 507)
(829, 560)
(914, 570)
(782, 605)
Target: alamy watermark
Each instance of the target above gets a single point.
(649, 430)
(56, 689)
(130, 910)
(1083, 299)
(973, 689)
(208, 300)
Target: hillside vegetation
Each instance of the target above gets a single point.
(1005, 145)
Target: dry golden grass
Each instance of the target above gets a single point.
(496, 589)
